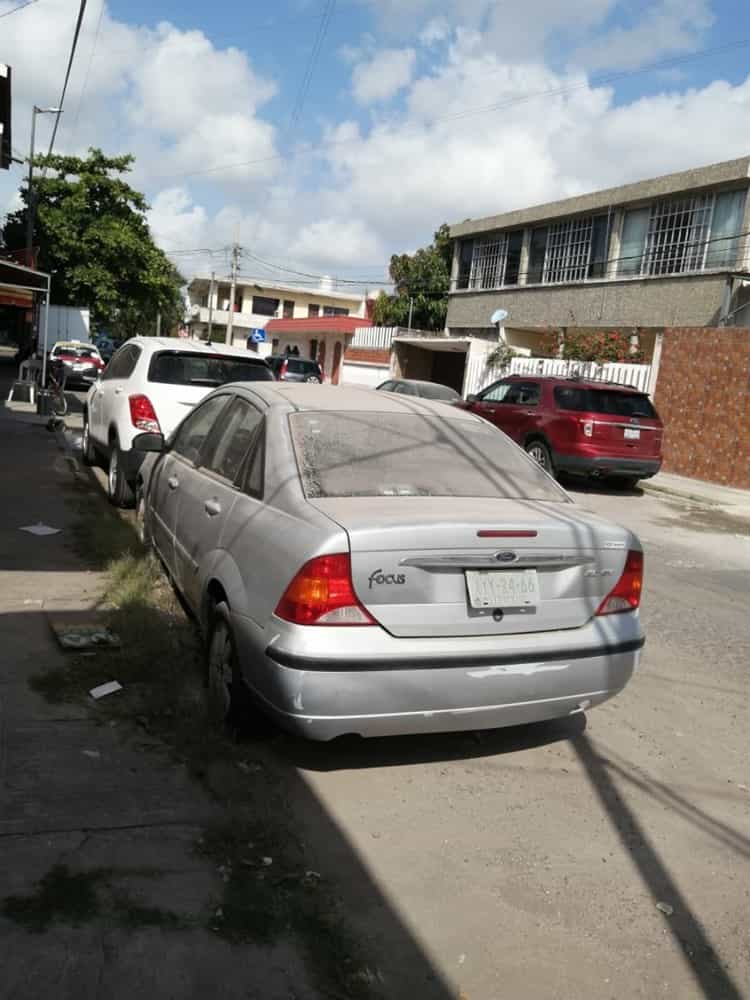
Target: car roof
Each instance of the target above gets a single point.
(572, 381)
(301, 396)
(420, 381)
(182, 344)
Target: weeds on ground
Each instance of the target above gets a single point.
(268, 891)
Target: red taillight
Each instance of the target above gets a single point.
(284, 366)
(626, 594)
(322, 593)
(142, 414)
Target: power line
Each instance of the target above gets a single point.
(311, 62)
(485, 109)
(21, 6)
(60, 103)
(88, 72)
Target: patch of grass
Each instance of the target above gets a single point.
(61, 896)
(159, 665)
(100, 533)
(66, 897)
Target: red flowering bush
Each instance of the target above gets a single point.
(600, 346)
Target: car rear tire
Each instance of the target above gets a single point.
(140, 517)
(88, 452)
(229, 702)
(119, 491)
(313, 378)
(539, 451)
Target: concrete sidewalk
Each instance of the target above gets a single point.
(732, 500)
(83, 794)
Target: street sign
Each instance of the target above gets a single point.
(257, 336)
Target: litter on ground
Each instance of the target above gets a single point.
(41, 529)
(104, 689)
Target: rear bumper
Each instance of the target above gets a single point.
(607, 465)
(322, 697)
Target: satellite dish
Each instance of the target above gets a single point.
(499, 316)
(195, 309)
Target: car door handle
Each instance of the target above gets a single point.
(173, 482)
(529, 413)
(118, 390)
(212, 507)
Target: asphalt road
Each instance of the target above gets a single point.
(605, 857)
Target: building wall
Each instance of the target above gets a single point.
(676, 301)
(703, 397)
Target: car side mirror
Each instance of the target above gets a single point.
(148, 442)
(472, 398)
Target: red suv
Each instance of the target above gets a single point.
(576, 425)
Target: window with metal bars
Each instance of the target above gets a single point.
(568, 251)
(677, 237)
(490, 261)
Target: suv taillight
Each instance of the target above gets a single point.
(322, 593)
(626, 593)
(282, 370)
(142, 414)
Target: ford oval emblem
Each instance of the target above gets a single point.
(506, 557)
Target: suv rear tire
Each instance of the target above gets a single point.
(88, 452)
(541, 454)
(119, 491)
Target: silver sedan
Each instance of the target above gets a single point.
(367, 563)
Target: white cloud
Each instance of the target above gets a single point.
(436, 30)
(337, 242)
(667, 27)
(384, 75)
(175, 221)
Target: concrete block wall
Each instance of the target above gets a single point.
(703, 397)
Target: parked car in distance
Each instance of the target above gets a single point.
(291, 368)
(417, 387)
(365, 563)
(577, 426)
(149, 385)
(82, 363)
(107, 346)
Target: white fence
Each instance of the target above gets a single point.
(478, 374)
(374, 337)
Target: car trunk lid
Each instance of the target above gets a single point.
(457, 567)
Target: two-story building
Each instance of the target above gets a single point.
(673, 251)
(256, 303)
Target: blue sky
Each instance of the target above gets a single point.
(388, 143)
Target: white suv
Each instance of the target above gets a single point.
(150, 384)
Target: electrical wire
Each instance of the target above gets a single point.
(484, 109)
(311, 63)
(88, 72)
(76, 33)
(21, 6)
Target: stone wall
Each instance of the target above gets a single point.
(703, 398)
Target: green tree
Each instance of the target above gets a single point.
(422, 278)
(94, 240)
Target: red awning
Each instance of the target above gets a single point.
(315, 324)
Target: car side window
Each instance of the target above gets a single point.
(496, 393)
(386, 386)
(529, 393)
(123, 363)
(227, 453)
(194, 430)
(254, 475)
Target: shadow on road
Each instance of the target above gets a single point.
(683, 924)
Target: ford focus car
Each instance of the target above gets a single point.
(362, 563)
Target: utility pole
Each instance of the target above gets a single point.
(232, 290)
(210, 306)
(158, 323)
(31, 202)
(411, 308)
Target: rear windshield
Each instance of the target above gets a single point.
(432, 391)
(298, 367)
(180, 368)
(404, 454)
(612, 401)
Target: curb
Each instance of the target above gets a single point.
(682, 494)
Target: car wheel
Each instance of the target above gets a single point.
(539, 451)
(88, 452)
(224, 680)
(118, 489)
(312, 378)
(140, 517)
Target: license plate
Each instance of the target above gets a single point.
(502, 588)
(632, 433)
